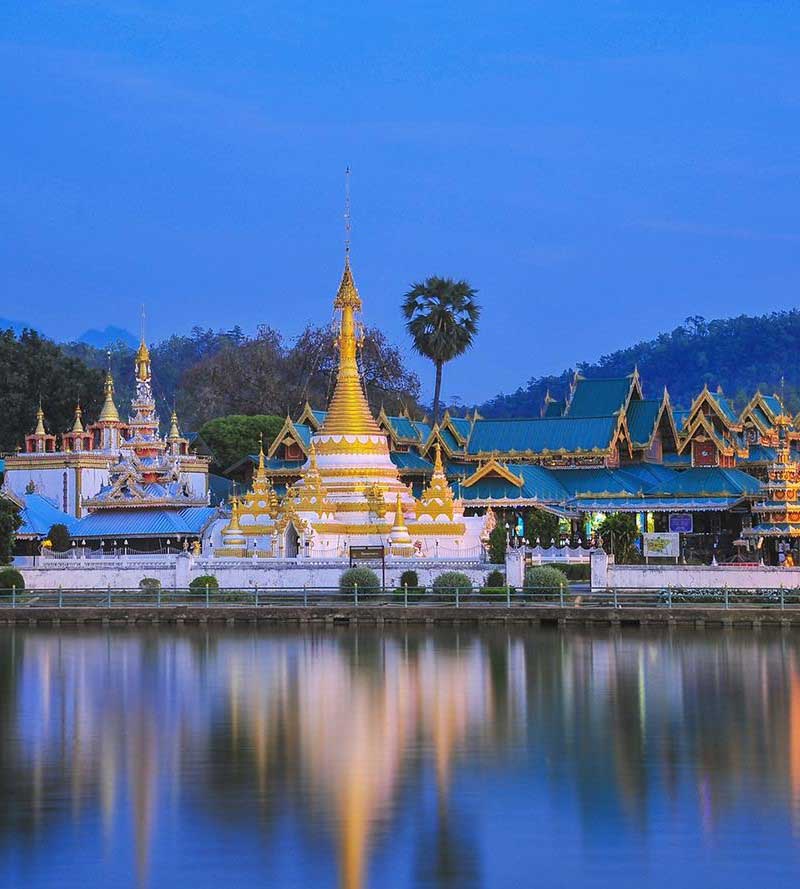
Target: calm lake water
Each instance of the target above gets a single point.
(223, 758)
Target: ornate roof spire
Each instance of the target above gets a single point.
(143, 357)
(174, 430)
(109, 413)
(40, 430)
(77, 426)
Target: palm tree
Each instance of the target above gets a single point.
(442, 318)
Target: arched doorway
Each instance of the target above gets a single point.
(291, 543)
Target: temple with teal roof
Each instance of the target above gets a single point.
(604, 446)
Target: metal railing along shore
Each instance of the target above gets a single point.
(406, 597)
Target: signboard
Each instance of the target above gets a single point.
(662, 545)
(681, 523)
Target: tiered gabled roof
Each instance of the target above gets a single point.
(545, 436)
(595, 398)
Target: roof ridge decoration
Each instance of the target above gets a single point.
(493, 467)
(109, 412)
(437, 498)
(288, 430)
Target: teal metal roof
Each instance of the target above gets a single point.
(462, 425)
(762, 417)
(305, 433)
(595, 398)
(774, 404)
(639, 488)
(410, 461)
(449, 440)
(404, 428)
(123, 523)
(711, 481)
(583, 482)
(424, 430)
(38, 516)
(538, 484)
(544, 435)
(726, 408)
(642, 417)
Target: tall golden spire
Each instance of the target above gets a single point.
(109, 413)
(348, 412)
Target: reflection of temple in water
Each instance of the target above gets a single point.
(343, 734)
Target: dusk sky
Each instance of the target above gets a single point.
(597, 170)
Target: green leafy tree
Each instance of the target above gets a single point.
(10, 522)
(543, 525)
(232, 438)
(33, 367)
(442, 318)
(264, 375)
(620, 533)
(59, 537)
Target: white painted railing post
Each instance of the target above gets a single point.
(405, 594)
(355, 594)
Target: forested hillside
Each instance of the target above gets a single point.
(740, 354)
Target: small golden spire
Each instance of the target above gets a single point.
(437, 462)
(233, 525)
(143, 358)
(77, 426)
(109, 413)
(40, 430)
(174, 431)
(399, 518)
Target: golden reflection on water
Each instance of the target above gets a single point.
(139, 725)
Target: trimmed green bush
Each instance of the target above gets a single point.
(451, 581)
(205, 581)
(366, 579)
(576, 571)
(410, 579)
(149, 584)
(495, 580)
(10, 577)
(545, 578)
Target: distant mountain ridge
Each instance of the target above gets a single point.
(108, 336)
(739, 354)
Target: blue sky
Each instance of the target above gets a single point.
(598, 170)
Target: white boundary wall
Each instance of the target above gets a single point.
(605, 574)
(177, 572)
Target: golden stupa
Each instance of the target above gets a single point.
(349, 493)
